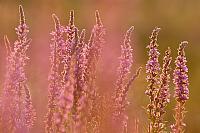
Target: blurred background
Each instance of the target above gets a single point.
(178, 19)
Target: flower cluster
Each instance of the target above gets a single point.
(75, 103)
(181, 88)
(122, 85)
(54, 76)
(70, 75)
(158, 88)
(152, 70)
(94, 50)
(163, 96)
(17, 111)
(180, 75)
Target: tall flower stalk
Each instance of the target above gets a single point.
(80, 83)
(69, 48)
(18, 114)
(153, 71)
(163, 95)
(94, 50)
(66, 88)
(54, 76)
(181, 88)
(122, 85)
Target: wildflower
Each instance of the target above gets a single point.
(99, 33)
(125, 61)
(181, 88)
(152, 70)
(54, 76)
(94, 47)
(122, 86)
(17, 109)
(80, 84)
(30, 114)
(65, 104)
(163, 93)
(69, 48)
(93, 50)
(163, 96)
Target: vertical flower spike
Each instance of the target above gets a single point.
(71, 32)
(181, 88)
(90, 58)
(54, 76)
(81, 61)
(95, 45)
(71, 27)
(163, 93)
(18, 114)
(30, 114)
(122, 85)
(22, 30)
(152, 70)
(126, 61)
(99, 32)
(65, 104)
(69, 47)
(80, 84)
(163, 96)
(94, 50)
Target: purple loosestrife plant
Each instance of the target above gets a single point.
(153, 71)
(181, 88)
(69, 47)
(94, 47)
(18, 114)
(126, 61)
(93, 103)
(61, 86)
(163, 95)
(67, 53)
(76, 58)
(80, 82)
(66, 88)
(65, 104)
(122, 86)
(54, 76)
(99, 33)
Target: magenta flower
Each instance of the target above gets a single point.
(80, 82)
(153, 71)
(124, 69)
(69, 46)
(93, 53)
(54, 76)
(181, 88)
(163, 93)
(123, 82)
(18, 114)
(180, 75)
(163, 96)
